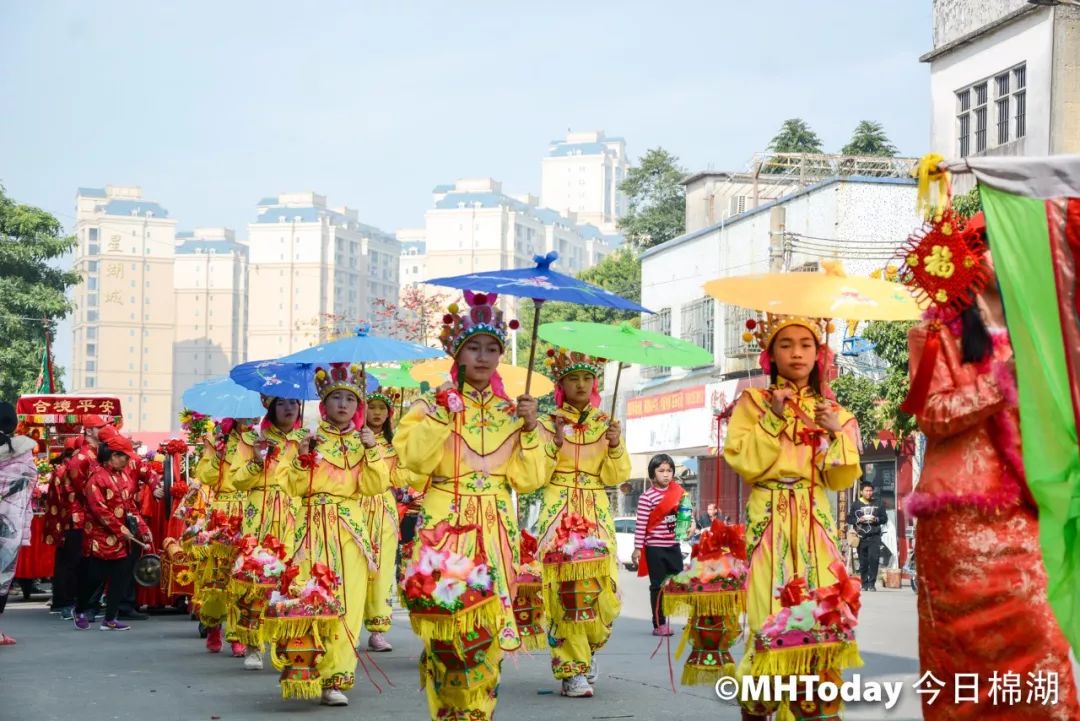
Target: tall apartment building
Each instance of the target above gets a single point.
(313, 272)
(124, 317)
(412, 262)
(581, 175)
(475, 227)
(210, 275)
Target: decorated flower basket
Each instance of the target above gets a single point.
(710, 639)
(813, 632)
(295, 622)
(463, 667)
(256, 572)
(448, 594)
(575, 575)
(529, 597)
(177, 575)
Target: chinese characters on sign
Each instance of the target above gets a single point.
(663, 403)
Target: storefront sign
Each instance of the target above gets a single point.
(662, 403)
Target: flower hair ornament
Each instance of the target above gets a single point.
(389, 396)
(945, 267)
(480, 316)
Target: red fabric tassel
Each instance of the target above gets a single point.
(920, 385)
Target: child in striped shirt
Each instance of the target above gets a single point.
(654, 533)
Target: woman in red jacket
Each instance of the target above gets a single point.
(109, 504)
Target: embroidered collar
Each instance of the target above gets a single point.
(781, 382)
(330, 429)
(481, 397)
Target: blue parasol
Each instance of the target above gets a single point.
(540, 283)
(363, 348)
(222, 398)
(283, 379)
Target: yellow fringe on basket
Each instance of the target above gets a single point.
(810, 659)
(250, 637)
(576, 571)
(275, 629)
(687, 630)
(311, 688)
(715, 603)
(449, 627)
(534, 642)
(700, 675)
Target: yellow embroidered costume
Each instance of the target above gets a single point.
(329, 523)
(379, 514)
(468, 463)
(268, 509)
(790, 527)
(585, 467)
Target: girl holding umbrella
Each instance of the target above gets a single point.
(469, 448)
(340, 464)
(380, 517)
(591, 457)
(268, 509)
(792, 443)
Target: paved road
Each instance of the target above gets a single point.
(160, 671)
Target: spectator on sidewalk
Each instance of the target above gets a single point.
(656, 549)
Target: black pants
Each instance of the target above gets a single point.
(68, 559)
(869, 557)
(663, 561)
(97, 571)
(125, 593)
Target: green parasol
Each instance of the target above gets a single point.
(626, 344)
(395, 376)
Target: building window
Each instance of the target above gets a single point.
(659, 323)
(1020, 100)
(91, 349)
(1007, 90)
(734, 326)
(91, 333)
(696, 319)
(90, 381)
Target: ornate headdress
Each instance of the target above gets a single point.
(765, 329)
(481, 317)
(944, 262)
(390, 396)
(563, 362)
(339, 377)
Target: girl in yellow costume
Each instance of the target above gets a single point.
(339, 465)
(214, 472)
(268, 509)
(591, 457)
(468, 451)
(792, 444)
(379, 514)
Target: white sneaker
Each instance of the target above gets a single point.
(592, 673)
(576, 687)
(333, 697)
(377, 642)
(253, 660)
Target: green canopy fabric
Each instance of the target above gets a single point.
(1035, 243)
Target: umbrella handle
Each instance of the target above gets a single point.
(532, 345)
(615, 393)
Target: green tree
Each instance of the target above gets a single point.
(877, 403)
(620, 273)
(795, 136)
(969, 203)
(657, 200)
(869, 138)
(31, 288)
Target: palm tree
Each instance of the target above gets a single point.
(869, 138)
(795, 136)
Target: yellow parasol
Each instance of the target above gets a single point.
(829, 294)
(437, 371)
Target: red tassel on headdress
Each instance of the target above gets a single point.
(920, 385)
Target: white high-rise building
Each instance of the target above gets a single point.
(125, 307)
(580, 176)
(314, 272)
(412, 262)
(475, 227)
(210, 277)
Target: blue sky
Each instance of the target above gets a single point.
(211, 106)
